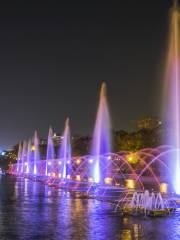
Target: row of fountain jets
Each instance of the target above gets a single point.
(29, 154)
(101, 136)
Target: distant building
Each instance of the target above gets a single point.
(43, 142)
(57, 139)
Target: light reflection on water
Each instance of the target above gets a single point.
(33, 211)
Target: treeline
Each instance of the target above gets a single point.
(143, 138)
(120, 140)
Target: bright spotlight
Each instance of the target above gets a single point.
(163, 188)
(91, 161)
(3, 153)
(33, 148)
(130, 183)
(90, 179)
(132, 158)
(78, 161)
(78, 177)
(108, 181)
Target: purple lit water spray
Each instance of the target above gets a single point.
(19, 158)
(23, 156)
(101, 137)
(36, 154)
(29, 156)
(50, 152)
(64, 155)
(173, 92)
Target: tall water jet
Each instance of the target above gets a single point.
(29, 156)
(23, 156)
(101, 137)
(50, 152)
(64, 154)
(36, 154)
(19, 158)
(172, 92)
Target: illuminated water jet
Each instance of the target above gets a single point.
(65, 152)
(19, 158)
(23, 156)
(50, 151)
(36, 154)
(29, 155)
(101, 137)
(172, 92)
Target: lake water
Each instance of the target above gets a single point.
(30, 210)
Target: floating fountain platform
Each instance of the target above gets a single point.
(161, 212)
(127, 211)
(147, 204)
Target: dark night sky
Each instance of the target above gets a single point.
(53, 57)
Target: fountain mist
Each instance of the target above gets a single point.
(65, 151)
(23, 156)
(36, 154)
(173, 91)
(19, 158)
(101, 136)
(29, 155)
(50, 151)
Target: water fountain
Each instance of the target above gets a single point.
(19, 158)
(152, 204)
(115, 171)
(172, 92)
(101, 138)
(36, 155)
(112, 176)
(29, 157)
(64, 155)
(23, 156)
(50, 153)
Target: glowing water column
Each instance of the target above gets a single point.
(19, 158)
(23, 157)
(101, 138)
(50, 153)
(173, 92)
(29, 156)
(64, 155)
(36, 154)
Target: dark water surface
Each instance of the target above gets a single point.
(31, 210)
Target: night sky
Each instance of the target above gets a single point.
(54, 56)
